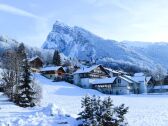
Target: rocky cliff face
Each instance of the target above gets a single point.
(76, 42)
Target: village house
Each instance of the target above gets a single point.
(53, 72)
(35, 63)
(142, 81)
(110, 81)
(114, 85)
(82, 76)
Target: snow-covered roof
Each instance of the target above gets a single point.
(111, 70)
(51, 68)
(102, 80)
(139, 74)
(148, 79)
(139, 78)
(126, 79)
(86, 69)
(161, 87)
(121, 72)
(33, 58)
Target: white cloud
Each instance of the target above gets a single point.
(16, 11)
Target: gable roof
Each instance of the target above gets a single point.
(126, 79)
(138, 78)
(102, 81)
(86, 69)
(111, 70)
(33, 58)
(51, 68)
(148, 79)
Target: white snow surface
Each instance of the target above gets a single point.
(61, 99)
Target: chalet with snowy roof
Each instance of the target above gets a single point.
(142, 81)
(114, 85)
(114, 73)
(82, 75)
(36, 62)
(52, 72)
(111, 72)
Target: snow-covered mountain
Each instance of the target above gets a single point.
(6, 42)
(156, 51)
(76, 42)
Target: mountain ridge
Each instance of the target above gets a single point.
(76, 42)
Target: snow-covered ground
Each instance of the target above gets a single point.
(144, 110)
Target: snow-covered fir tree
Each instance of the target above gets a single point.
(120, 112)
(97, 112)
(57, 58)
(87, 112)
(107, 114)
(25, 92)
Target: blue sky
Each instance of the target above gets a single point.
(30, 21)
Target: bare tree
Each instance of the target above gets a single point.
(10, 67)
(159, 75)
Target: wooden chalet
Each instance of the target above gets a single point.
(144, 82)
(52, 72)
(36, 62)
(114, 85)
(82, 75)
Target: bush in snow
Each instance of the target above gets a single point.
(97, 112)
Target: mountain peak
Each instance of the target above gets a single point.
(61, 27)
(76, 42)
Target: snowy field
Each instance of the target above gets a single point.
(144, 110)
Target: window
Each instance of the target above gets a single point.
(119, 80)
(84, 75)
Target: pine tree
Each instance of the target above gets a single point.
(86, 114)
(107, 116)
(99, 108)
(20, 56)
(97, 112)
(57, 58)
(94, 109)
(120, 112)
(25, 90)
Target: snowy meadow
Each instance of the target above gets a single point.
(65, 101)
